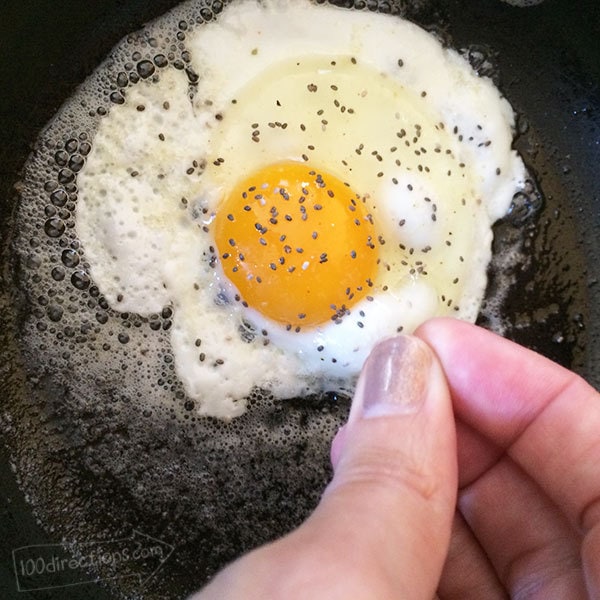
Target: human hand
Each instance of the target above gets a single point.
(528, 433)
(528, 516)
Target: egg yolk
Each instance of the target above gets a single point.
(297, 243)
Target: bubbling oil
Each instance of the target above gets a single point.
(104, 439)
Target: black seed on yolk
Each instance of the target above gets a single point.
(334, 256)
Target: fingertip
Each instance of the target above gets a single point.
(395, 463)
(443, 328)
(337, 445)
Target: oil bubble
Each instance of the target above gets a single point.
(71, 145)
(122, 79)
(80, 279)
(76, 163)
(55, 313)
(61, 158)
(58, 273)
(70, 258)
(145, 69)
(160, 60)
(59, 197)
(66, 176)
(54, 227)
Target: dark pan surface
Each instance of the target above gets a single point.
(547, 59)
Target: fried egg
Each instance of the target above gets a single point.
(319, 179)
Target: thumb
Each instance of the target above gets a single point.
(382, 528)
(392, 499)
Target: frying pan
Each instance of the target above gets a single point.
(60, 480)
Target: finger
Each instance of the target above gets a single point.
(337, 444)
(395, 477)
(532, 546)
(468, 573)
(529, 406)
(476, 454)
(383, 526)
(545, 417)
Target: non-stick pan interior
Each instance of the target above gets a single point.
(194, 495)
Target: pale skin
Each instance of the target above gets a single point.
(469, 469)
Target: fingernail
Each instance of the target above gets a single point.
(395, 377)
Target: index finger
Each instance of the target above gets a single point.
(546, 418)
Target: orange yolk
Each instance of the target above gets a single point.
(297, 243)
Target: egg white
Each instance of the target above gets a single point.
(152, 185)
